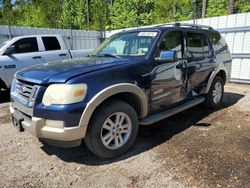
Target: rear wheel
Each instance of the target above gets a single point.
(112, 129)
(215, 94)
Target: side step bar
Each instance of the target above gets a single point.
(170, 112)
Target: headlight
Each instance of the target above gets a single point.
(64, 94)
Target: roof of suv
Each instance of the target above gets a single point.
(164, 27)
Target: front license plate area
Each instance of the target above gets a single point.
(17, 121)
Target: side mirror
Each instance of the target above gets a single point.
(10, 50)
(166, 57)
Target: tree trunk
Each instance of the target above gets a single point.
(231, 7)
(204, 8)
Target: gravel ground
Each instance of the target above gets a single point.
(196, 148)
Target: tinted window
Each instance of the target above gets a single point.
(205, 45)
(218, 42)
(26, 45)
(172, 42)
(195, 47)
(51, 43)
(198, 46)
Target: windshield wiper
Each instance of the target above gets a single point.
(107, 55)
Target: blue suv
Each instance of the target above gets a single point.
(133, 78)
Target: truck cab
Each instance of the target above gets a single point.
(133, 78)
(30, 50)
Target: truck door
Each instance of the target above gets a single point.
(200, 59)
(53, 50)
(168, 82)
(26, 54)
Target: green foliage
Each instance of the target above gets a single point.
(243, 6)
(173, 10)
(132, 13)
(100, 15)
(73, 14)
(107, 14)
(217, 7)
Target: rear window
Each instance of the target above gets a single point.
(51, 43)
(197, 45)
(218, 43)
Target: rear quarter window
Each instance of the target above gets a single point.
(51, 43)
(218, 42)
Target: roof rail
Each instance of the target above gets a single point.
(193, 25)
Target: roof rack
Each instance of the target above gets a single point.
(193, 25)
(186, 25)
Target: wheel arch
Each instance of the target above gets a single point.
(222, 72)
(129, 93)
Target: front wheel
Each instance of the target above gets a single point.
(112, 129)
(214, 97)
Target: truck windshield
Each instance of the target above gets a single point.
(126, 44)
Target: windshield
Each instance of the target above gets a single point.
(126, 44)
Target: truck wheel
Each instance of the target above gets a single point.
(112, 129)
(214, 97)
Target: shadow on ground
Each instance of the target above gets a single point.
(148, 137)
(4, 96)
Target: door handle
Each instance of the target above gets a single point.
(62, 55)
(36, 57)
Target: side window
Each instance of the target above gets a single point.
(51, 43)
(173, 41)
(218, 42)
(206, 47)
(26, 45)
(195, 47)
(198, 46)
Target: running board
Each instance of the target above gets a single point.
(170, 112)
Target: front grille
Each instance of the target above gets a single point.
(24, 90)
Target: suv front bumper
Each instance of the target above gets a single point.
(59, 136)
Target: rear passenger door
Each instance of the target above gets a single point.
(53, 50)
(200, 60)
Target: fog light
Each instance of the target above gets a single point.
(55, 124)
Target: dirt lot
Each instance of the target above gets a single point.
(196, 148)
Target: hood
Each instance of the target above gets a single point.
(61, 71)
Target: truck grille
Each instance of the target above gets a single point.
(24, 90)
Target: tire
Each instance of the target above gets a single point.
(214, 97)
(108, 138)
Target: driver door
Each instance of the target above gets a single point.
(26, 54)
(169, 79)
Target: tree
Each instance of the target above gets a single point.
(242, 6)
(216, 8)
(132, 13)
(173, 10)
(231, 6)
(204, 8)
(100, 14)
(6, 12)
(73, 14)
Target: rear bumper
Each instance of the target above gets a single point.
(55, 135)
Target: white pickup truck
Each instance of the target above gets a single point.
(25, 51)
